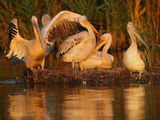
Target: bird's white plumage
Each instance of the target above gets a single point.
(132, 59)
(71, 42)
(100, 59)
(56, 21)
(21, 48)
(18, 44)
(64, 22)
(80, 45)
(33, 51)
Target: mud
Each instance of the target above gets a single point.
(93, 77)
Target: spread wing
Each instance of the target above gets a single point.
(71, 42)
(63, 25)
(16, 46)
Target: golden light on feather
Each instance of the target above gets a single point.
(93, 28)
(132, 58)
(98, 46)
(100, 59)
(76, 48)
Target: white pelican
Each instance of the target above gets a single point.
(77, 47)
(31, 52)
(60, 26)
(100, 59)
(132, 59)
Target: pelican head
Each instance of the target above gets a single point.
(34, 20)
(105, 39)
(45, 19)
(133, 31)
(35, 26)
(84, 21)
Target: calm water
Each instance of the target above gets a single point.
(74, 103)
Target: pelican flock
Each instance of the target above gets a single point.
(132, 58)
(76, 47)
(63, 24)
(100, 58)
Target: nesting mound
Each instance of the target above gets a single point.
(94, 77)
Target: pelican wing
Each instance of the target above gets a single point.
(16, 44)
(143, 56)
(71, 42)
(62, 25)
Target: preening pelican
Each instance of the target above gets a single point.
(32, 52)
(77, 47)
(132, 59)
(100, 59)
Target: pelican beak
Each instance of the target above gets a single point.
(135, 32)
(38, 34)
(99, 45)
(93, 28)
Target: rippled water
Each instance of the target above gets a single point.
(74, 103)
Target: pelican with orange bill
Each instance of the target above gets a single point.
(100, 59)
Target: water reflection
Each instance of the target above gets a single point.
(67, 103)
(80, 103)
(134, 103)
(7, 71)
(30, 105)
(89, 104)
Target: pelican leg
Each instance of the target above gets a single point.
(140, 75)
(130, 75)
(80, 65)
(72, 65)
(42, 64)
(29, 72)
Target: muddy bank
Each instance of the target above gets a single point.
(94, 77)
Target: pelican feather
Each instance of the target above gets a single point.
(132, 58)
(77, 47)
(32, 52)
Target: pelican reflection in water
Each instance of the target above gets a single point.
(132, 58)
(100, 58)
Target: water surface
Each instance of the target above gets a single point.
(63, 102)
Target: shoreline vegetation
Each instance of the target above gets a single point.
(110, 15)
